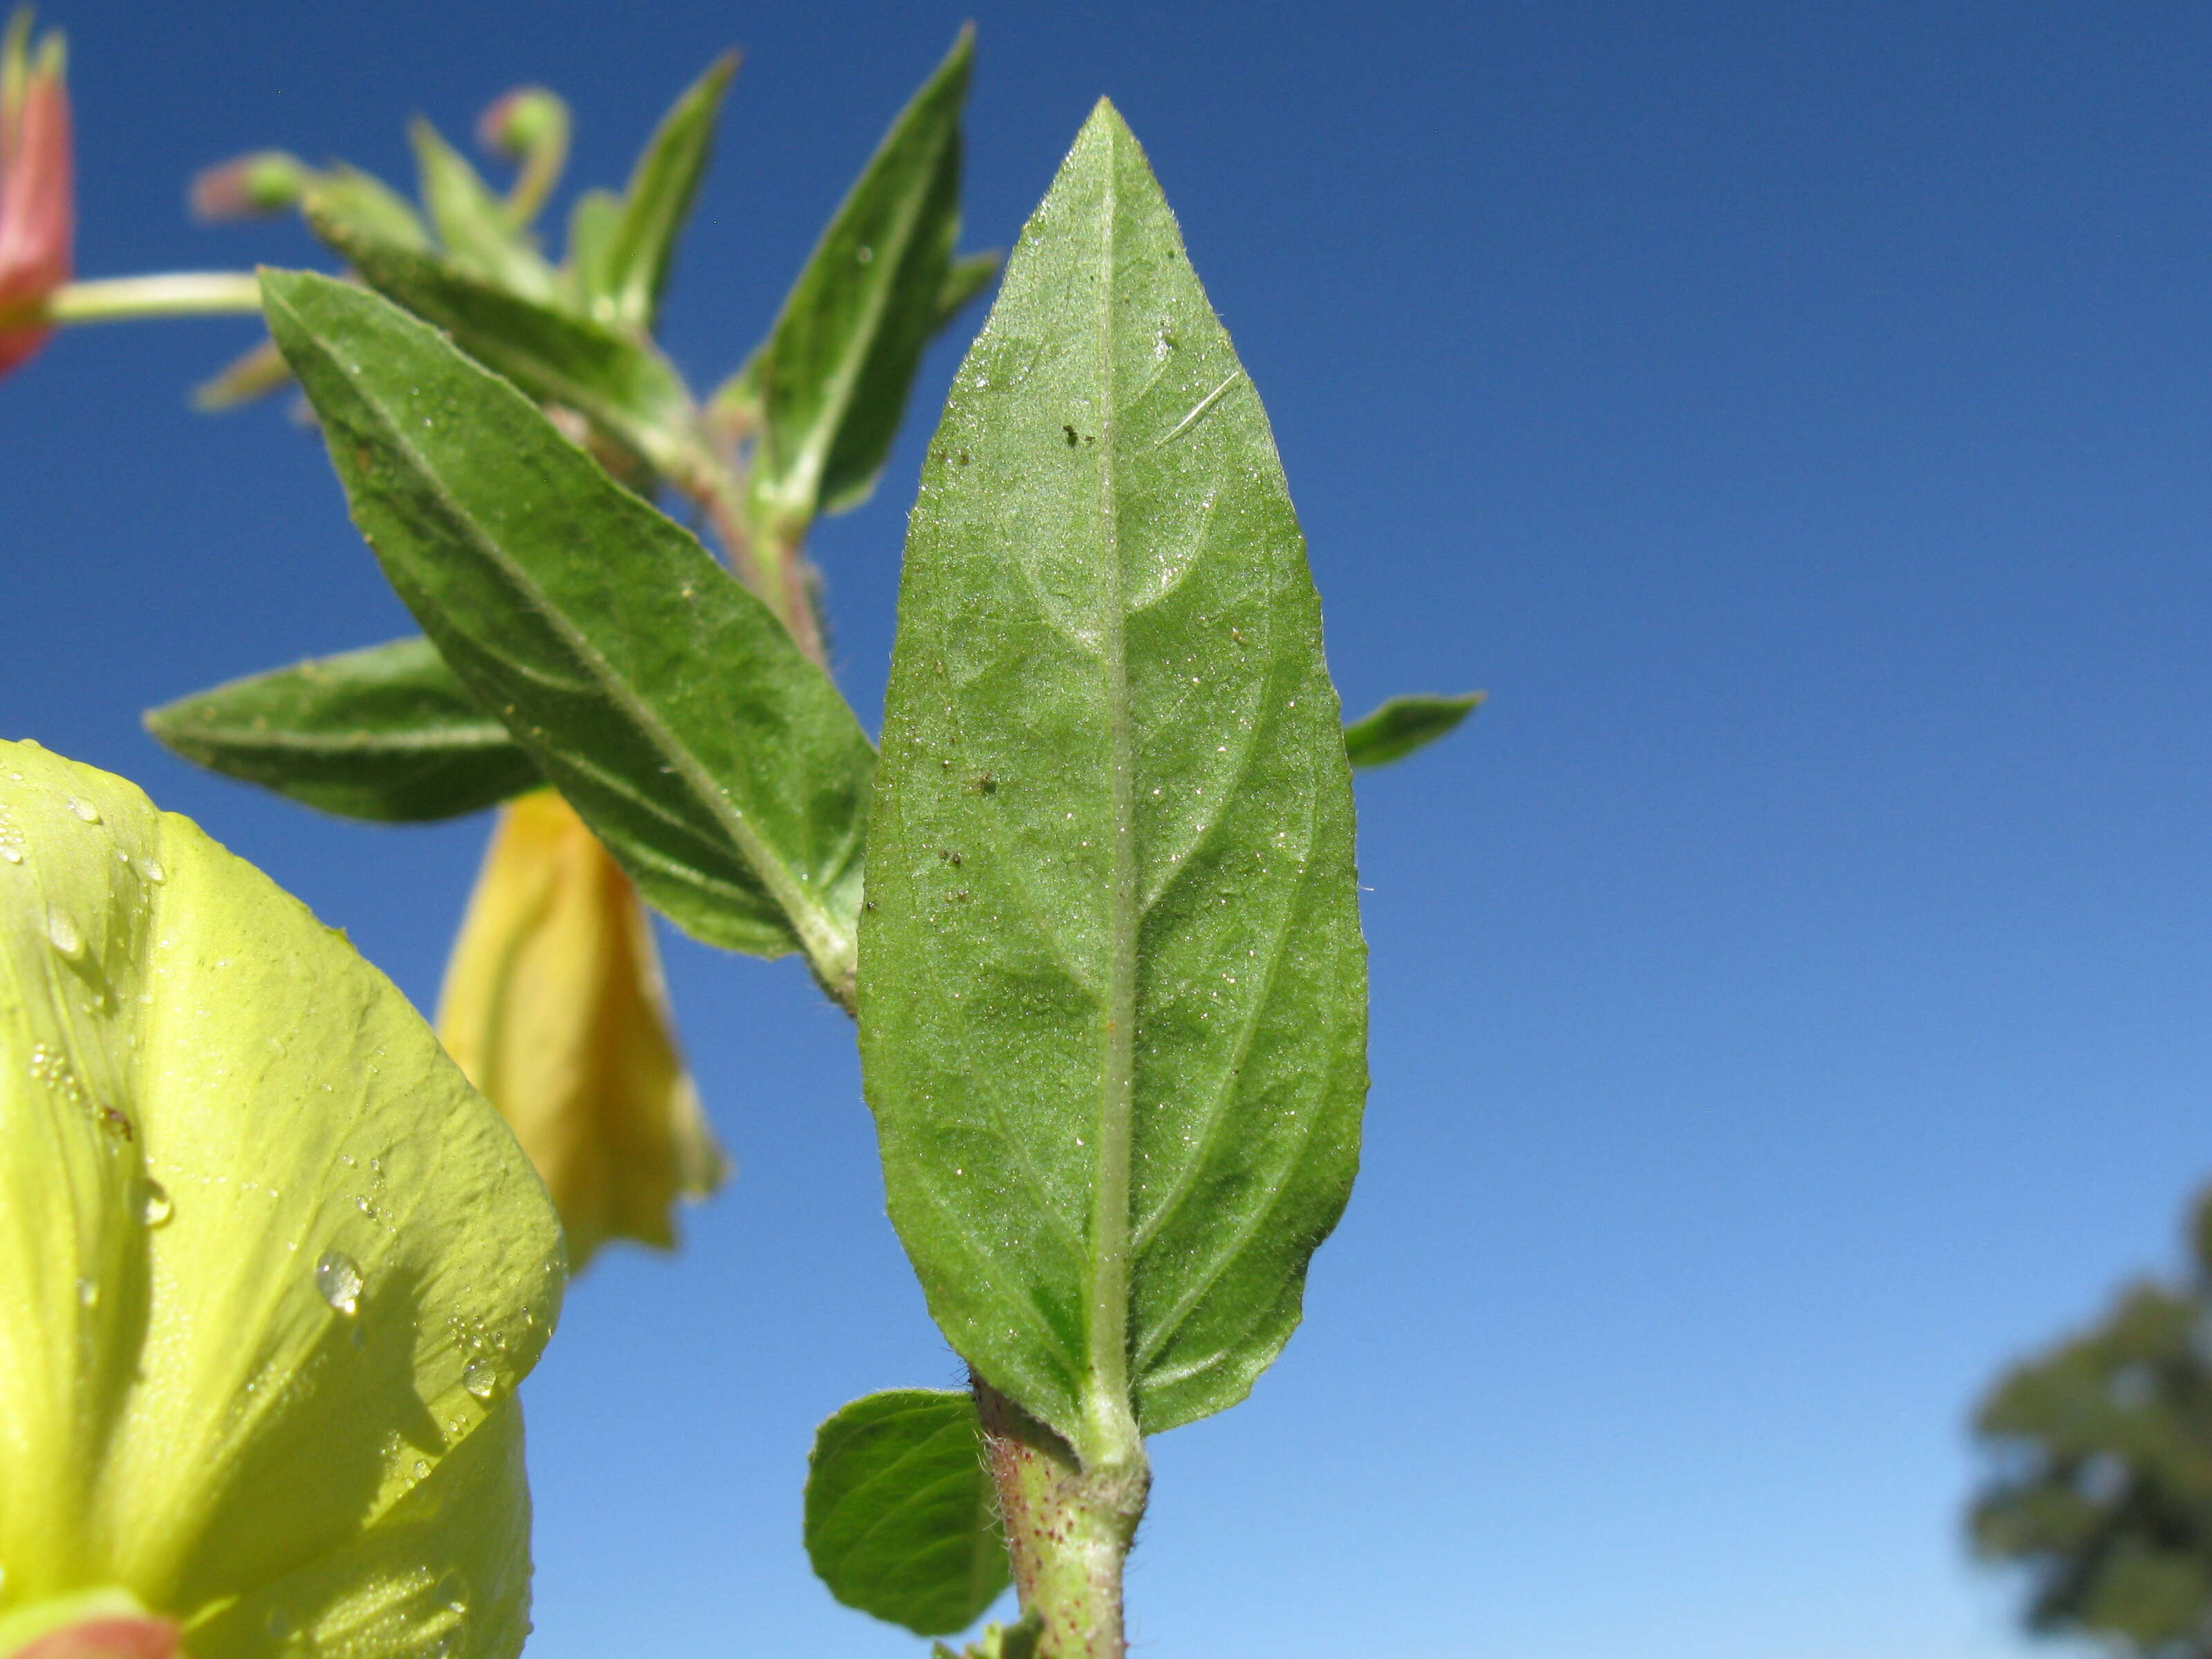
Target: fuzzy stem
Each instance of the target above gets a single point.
(1068, 1530)
(174, 293)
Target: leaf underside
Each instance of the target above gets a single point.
(901, 1519)
(667, 702)
(387, 734)
(1112, 984)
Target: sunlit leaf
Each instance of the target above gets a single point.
(388, 733)
(269, 1269)
(832, 378)
(667, 703)
(472, 221)
(1402, 724)
(1112, 990)
(642, 246)
(900, 1521)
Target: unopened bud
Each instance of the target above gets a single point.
(522, 123)
(251, 187)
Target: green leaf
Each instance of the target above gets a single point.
(622, 385)
(254, 374)
(901, 1520)
(1404, 724)
(270, 1269)
(1112, 1000)
(473, 222)
(965, 278)
(365, 207)
(834, 375)
(387, 733)
(658, 199)
(667, 702)
(593, 224)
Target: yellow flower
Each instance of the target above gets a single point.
(555, 1008)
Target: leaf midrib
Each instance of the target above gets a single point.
(1112, 1422)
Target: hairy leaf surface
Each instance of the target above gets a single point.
(667, 702)
(901, 1519)
(1112, 990)
(617, 380)
(833, 376)
(269, 1269)
(1398, 727)
(633, 272)
(388, 733)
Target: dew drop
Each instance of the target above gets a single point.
(421, 1469)
(11, 853)
(88, 1292)
(154, 1206)
(278, 1623)
(85, 809)
(152, 870)
(480, 1379)
(62, 934)
(454, 1591)
(337, 1279)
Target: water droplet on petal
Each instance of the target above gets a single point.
(88, 1292)
(11, 853)
(62, 934)
(152, 870)
(278, 1623)
(421, 1468)
(480, 1379)
(154, 1206)
(454, 1591)
(337, 1279)
(85, 809)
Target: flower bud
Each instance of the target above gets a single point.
(37, 219)
(251, 187)
(523, 122)
(554, 1006)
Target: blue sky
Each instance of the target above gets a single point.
(1789, 992)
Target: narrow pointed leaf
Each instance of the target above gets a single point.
(269, 1269)
(901, 1520)
(659, 196)
(472, 222)
(965, 278)
(834, 375)
(255, 375)
(667, 702)
(387, 733)
(366, 208)
(592, 223)
(622, 385)
(1112, 990)
(1402, 724)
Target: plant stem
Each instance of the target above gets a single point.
(1068, 1528)
(174, 293)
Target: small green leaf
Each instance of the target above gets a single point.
(667, 702)
(1404, 724)
(473, 222)
(834, 374)
(621, 383)
(270, 1270)
(658, 199)
(387, 733)
(964, 278)
(1113, 1003)
(1015, 1641)
(365, 207)
(255, 375)
(900, 1521)
(593, 224)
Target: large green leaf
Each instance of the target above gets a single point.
(388, 733)
(1395, 729)
(833, 378)
(901, 1520)
(667, 702)
(634, 269)
(269, 1269)
(1113, 1001)
(618, 381)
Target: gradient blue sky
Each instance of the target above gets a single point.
(1790, 993)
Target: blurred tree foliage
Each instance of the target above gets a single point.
(2101, 1481)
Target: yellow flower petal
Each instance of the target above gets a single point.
(553, 1005)
(269, 1267)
